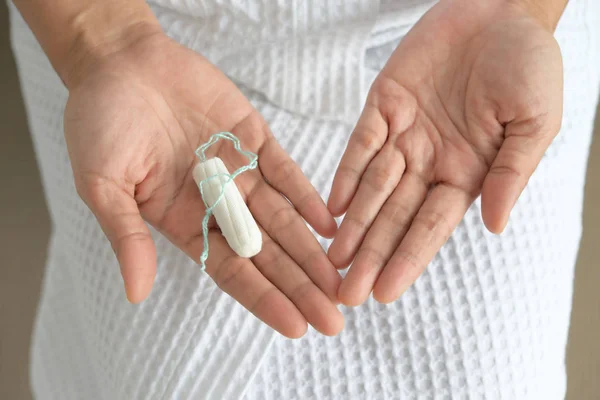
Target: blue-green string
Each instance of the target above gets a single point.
(200, 153)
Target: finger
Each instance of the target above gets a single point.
(518, 157)
(285, 176)
(442, 211)
(383, 238)
(367, 139)
(240, 278)
(284, 225)
(276, 265)
(118, 215)
(376, 185)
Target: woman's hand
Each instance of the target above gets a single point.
(132, 123)
(467, 105)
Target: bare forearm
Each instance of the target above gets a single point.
(76, 33)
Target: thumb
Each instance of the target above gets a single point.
(523, 147)
(120, 219)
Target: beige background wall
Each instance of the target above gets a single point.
(24, 232)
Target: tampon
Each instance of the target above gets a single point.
(232, 214)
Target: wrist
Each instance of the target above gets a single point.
(546, 12)
(100, 31)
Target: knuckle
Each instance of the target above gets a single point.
(283, 171)
(388, 88)
(132, 236)
(402, 143)
(118, 242)
(308, 201)
(348, 171)
(435, 223)
(394, 98)
(311, 259)
(252, 121)
(535, 126)
(397, 213)
(91, 190)
(411, 261)
(227, 271)
(371, 257)
(263, 299)
(302, 291)
(254, 194)
(97, 191)
(366, 138)
(281, 219)
(379, 179)
(359, 223)
(272, 256)
(508, 170)
(187, 241)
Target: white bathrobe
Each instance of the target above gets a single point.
(487, 320)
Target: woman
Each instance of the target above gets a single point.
(466, 101)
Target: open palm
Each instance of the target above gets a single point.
(467, 105)
(132, 125)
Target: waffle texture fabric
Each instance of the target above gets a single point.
(487, 320)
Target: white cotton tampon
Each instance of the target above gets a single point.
(232, 214)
